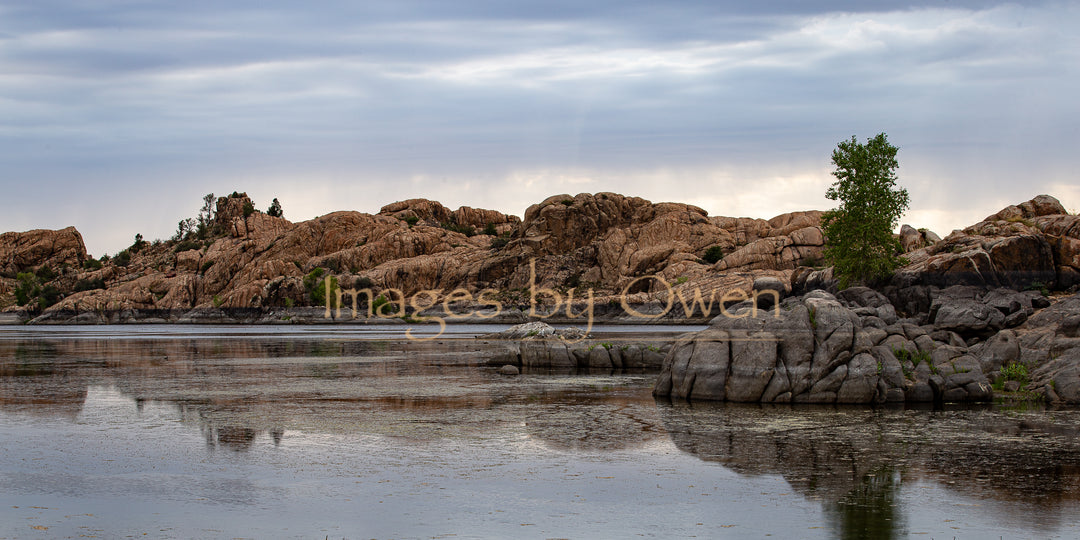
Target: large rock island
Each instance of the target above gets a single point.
(982, 310)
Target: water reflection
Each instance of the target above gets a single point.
(243, 395)
(870, 510)
(855, 460)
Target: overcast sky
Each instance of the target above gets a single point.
(117, 116)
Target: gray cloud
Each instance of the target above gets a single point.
(124, 113)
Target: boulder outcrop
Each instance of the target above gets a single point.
(605, 241)
(821, 348)
(22, 251)
(1021, 246)
(539, 346)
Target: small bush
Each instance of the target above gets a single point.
(186, 245)
(27, 288)
(378, 303)
(248, 208)
(467, 230)
(499, 242)
(49, 296)
(92, 264)
(713, 254)
(1015, 371)
(412, 220)
(45, 274)
(138, 244)
(206, 266)
(122, 259)
(568, 202)
(1039, 286)
(218, 301)
(915, 358)
(491, 230)
(89, 284)
(316, 287)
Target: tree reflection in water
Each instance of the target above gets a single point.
(856, 459)
(870, 511)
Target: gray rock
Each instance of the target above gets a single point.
(891, 370)
(1000, 350)
(920, 392)
(546, 354)
(1062, 375)
(599, 357)
(753, 361)
(1070, 326)
(954, 394)
(948, 337)
(834, 334)
(509, 370)
(887, 314)
(524, 330)
(925, 344)
(876, 335)
(913, 331)
(709, 365)
(1008, 301)
(1013, 320)
(862, 297)
(652, 358)
(873, 322)
(894, 395)
(969, 318)
(861, 380)
(631, 356)
(900, 342)
(764, 284)
(615, 354)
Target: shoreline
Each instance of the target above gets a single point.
(605, 315)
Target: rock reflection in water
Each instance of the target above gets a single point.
(34, 380)
(856, 460)
(425, 410)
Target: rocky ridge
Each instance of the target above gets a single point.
(961, 313)
(603, 241)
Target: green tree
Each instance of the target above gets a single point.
(138, 245)
(275, 209)
(859, 240)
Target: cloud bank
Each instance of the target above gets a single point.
(117, 118)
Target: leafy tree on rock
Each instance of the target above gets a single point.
(275, 209)
(860, 244)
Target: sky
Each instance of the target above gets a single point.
(117, 116)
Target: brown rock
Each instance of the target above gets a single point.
(21, 251)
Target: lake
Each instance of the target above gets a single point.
(161, 431)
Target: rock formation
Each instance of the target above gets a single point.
(605, 241)
(538, 346)
(952, 320)
(29, 250)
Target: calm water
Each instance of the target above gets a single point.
(314, 432)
